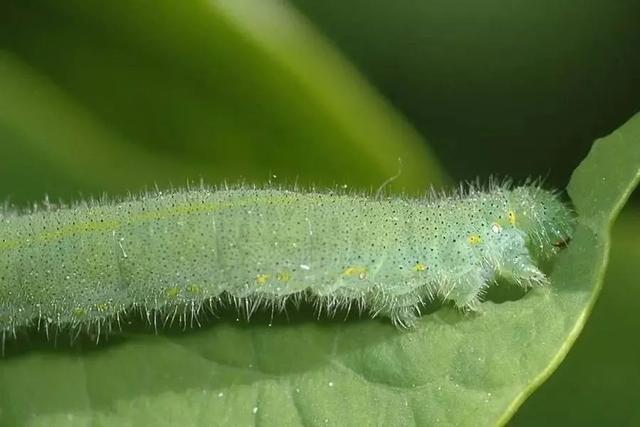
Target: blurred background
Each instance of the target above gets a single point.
(121, 96)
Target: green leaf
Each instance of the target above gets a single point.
(116, 96)
(602, 367)
(599, 187)
(452, 369)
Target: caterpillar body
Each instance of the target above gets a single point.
(171, 254)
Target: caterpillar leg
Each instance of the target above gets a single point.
(404, 317)
(403, 310)
(521, 270)
(467, 289)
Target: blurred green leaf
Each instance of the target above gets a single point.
(114, 96)
(49, 142)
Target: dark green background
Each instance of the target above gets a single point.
(517, 88)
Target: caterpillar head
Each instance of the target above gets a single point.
(543, 217)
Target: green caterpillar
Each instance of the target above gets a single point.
(171, 254)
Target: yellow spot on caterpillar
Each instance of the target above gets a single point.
(172, 293)
(356, 271)
(79, 312)
(283, 276)
(475, 239)
(420, 267)
(512, 217)
(262, 279)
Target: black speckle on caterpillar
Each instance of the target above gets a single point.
(169, 255)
